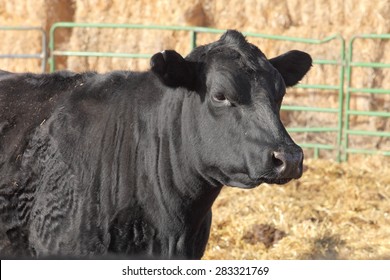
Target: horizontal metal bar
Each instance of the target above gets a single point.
(22, 55)
(319, 86)
(20, 28)
(42, 56)
(368, 133)
(192, 28)
(370, 64)
(100, 54)
(293, 39)
(328, 62)
(367, 151)
(372, 36)
(310, 109)
(370, 90)
(134, 26)
(316, 146)
(368, 113)
(312, 129)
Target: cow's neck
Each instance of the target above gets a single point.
(164, 189)
(181, 189)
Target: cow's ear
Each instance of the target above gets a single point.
(173, 70)
(292, 65)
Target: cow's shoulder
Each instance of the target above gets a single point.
(113, 91)
(27, 101)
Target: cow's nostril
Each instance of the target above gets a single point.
(279, 162)
(276, 159)
(287, 164)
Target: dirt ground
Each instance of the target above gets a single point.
(335, 211)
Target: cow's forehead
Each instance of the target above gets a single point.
(251, 63)
(232, 47)
(238, 58)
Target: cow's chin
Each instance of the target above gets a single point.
(247, 183)
(277, 181)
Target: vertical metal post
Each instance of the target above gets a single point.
(347, 99)
(44, 52)
(341, 99)
(51, 61)
(316, 153)
(193, 39)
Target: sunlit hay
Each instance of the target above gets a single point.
(335, 211)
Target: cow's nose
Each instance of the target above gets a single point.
(288, 164)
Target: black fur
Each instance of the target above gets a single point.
(128, 163)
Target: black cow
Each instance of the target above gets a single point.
(131, 162)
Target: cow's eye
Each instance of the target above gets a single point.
(221, 99)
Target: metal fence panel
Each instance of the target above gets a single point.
(194, 31)
(349, 128)
(345, 90)
(41, 56)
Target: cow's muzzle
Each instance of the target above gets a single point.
(287, 163)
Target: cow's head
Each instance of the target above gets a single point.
(238, 138)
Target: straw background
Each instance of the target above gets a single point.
(300, 18)
(335, 211)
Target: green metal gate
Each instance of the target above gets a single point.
(194, 31)
(41, 56)
(346, 90)
(351, 91)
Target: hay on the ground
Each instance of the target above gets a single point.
(335, 211)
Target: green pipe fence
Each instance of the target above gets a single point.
(350, 91)
(345, 91)
(41, 56)
(194, 31)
